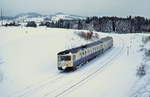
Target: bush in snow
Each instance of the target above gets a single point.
(96, 36)
(141, 71)
(31, 24)
(11, 24)
(85, 35)
(146, 39)
(47, 24)
(147, 53)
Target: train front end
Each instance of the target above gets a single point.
(65, 62)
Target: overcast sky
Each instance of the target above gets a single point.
(79, 7)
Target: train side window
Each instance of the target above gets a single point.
(74, 57)
(83, 53)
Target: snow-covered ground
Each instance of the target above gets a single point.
(28, 65)
(142, 87)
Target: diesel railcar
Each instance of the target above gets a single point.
(74, 58)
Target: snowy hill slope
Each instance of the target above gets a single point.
(142, 86)
(29, 15)
(26, 54)
(63, 16)
(24, 17)
(29, 65)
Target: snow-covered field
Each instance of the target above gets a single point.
(28, 65)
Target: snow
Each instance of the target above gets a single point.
(31, 51)
(28, 65)
(142, 86)
(115, 80)
(26, 19)
(59, 16)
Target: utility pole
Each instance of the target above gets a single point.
(1, 17)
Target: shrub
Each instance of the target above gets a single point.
(31, 24)
(141, 71)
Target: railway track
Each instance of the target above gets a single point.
(75, 84)
(41, 84)
(59, 90)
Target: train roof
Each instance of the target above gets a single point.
(74, 50)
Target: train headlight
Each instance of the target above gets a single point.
(64, 67)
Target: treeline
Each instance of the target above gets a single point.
(105, 24)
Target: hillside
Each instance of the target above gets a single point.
(29, 65)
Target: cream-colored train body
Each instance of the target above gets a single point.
(76, 57)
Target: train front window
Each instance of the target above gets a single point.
(65, 58)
